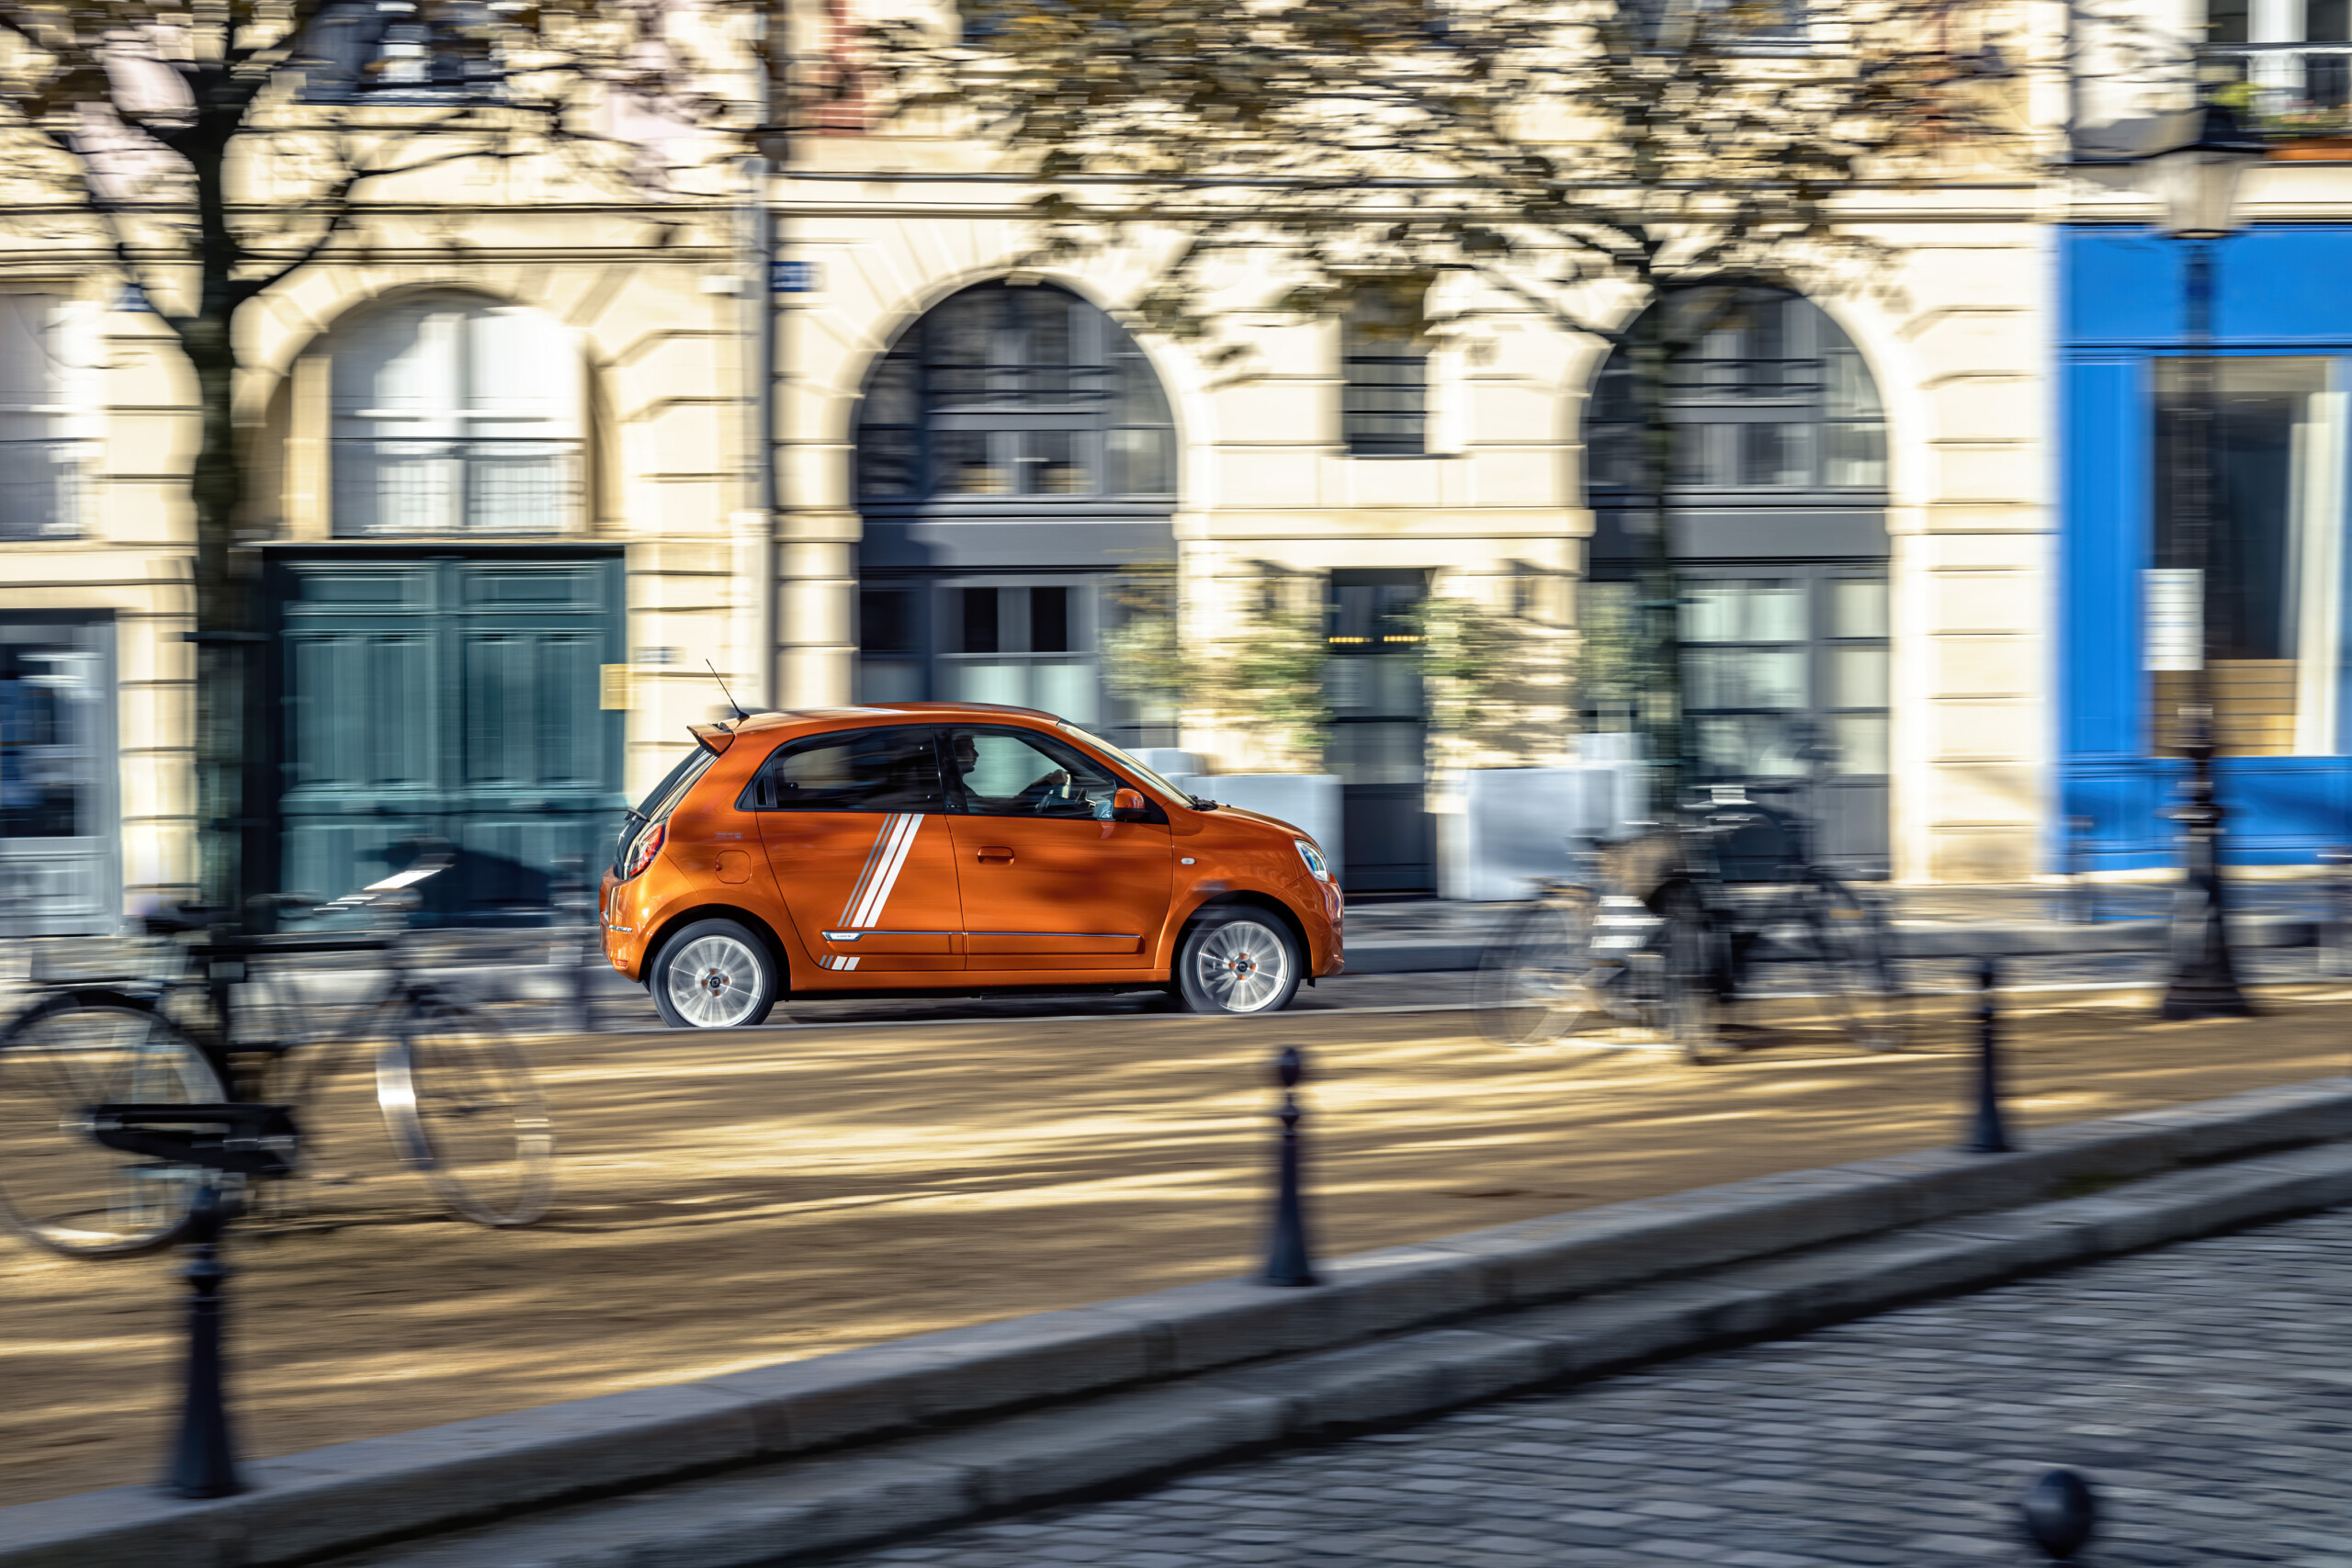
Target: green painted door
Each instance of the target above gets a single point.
(451, 696)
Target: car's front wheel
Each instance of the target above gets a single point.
(713, 974)
(1237, 961)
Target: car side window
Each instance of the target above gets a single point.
(1004, 773)
(857, 770)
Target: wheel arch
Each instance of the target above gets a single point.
(670, 924)
(1249, 898)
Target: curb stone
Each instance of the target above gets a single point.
(798, 1512)
(1394, 1333)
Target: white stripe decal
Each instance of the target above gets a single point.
(865, 876)
(838, 962)
(879, 896)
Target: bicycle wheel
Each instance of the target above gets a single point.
(61, 1187)
(1535, 976)
(1858, 967)
(1694, 967)
(460, 1106)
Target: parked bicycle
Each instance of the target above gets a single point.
(1664, 932)
(214, 1013)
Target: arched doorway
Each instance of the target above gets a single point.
(441, 639)
(1014, 451)
(1776, 512)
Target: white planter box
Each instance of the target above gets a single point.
(1517, 824)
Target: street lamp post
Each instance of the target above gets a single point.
(2197, 182)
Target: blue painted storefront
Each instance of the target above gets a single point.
(2280, 292)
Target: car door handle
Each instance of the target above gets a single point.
(995, 854)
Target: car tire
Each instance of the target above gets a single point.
(1239, 961)
(714, 974)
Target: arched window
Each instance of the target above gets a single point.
(1775, 511)
(1014, 453)
(1769, 395)
(454, 414)
(1015, 395)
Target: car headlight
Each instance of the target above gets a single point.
(1314, 859)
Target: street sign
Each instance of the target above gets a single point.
(2174, 601)
(795, 277)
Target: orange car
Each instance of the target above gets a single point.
(951, 847)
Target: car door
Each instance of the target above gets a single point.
(1049, 880)
(856, 831)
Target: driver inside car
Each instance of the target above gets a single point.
(1050, 793)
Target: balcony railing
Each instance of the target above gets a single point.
(40, 489)
(389, 486)
(2286, 89)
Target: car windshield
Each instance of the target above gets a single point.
(1148, 775)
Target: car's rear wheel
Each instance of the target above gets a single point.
(1237, 961)
(714, 974)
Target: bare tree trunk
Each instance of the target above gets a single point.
(230, 744)
(1660, 696)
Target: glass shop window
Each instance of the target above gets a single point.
(2269, 589)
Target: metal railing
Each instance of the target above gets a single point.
(398, 486)
(41, 489)
(2291, 87)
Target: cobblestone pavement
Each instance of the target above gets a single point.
(2203, 1388)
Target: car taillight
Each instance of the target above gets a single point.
(649, 844)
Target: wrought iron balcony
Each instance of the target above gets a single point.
(398, 486)
(2289, 89)
(41, 489)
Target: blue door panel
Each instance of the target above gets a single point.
(2105, 543)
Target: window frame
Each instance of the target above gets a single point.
(1817, 584)
(1099, 356)
(1355, 392)
(1047, 742)
(461, 455)
(1718, 409)
(749, 798)
(344, 37)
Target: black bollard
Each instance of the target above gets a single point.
(2060, 1513)
(1988, 1135)
(204, 1462)
(1288, 1260)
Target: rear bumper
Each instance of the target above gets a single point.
(621, 918)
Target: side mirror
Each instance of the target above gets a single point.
(1128, 804)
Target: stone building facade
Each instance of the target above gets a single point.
(511, 492)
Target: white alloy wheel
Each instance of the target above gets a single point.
(714, 974)
(1238, 965)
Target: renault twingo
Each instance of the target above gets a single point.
(951, 847)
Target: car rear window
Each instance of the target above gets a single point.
(663, 800)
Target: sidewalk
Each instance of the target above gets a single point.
(799, 1460)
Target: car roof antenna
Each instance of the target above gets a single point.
(731, 703)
